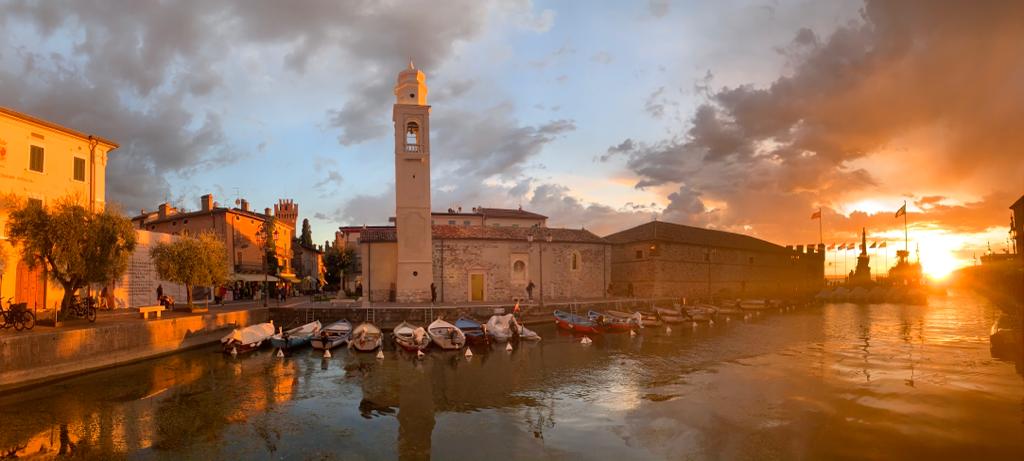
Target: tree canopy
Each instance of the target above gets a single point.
(77, 247)
(306, 238)
(192, 261)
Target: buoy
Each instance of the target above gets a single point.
(632, 333)
(469, 352)
(711, 322)
(694, 325)
(420, 354)
(586, 340)
(327, 353)
(380, 354)
(234, 352)
(728, 319)
(508, 347)
(280, 353)
(668, 329)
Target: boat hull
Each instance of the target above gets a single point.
(242, 348)
(291, 343)
(366, 344)
(328, 343)
(575, 323)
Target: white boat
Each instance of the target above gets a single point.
(446, 335)
(501, 327)
(526, 334)
(411, 337)
(755, 304)
(366, 338)
(298, 336)
(248, 338)
(333, 335)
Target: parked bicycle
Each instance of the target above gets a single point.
(17, 316)
(82, 307)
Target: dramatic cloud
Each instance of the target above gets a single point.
(916, 96)
(481, 145)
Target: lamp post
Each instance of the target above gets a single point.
(263, 241)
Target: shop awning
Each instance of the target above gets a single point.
(254, 278)
(289, 278)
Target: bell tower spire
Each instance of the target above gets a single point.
(411, 116)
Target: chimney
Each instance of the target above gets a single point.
(245, 205)
(266, 211)
(165, 209)
(207, 201)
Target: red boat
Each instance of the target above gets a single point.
(610, 323)
(575, 323)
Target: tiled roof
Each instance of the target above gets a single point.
(443, 232)
(508, 213)
(515, 233)
(678, 233)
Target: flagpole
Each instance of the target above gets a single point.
(820, 219)
(906, 236)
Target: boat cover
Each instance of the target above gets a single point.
(251, 334)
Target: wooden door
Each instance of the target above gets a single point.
(476, 287)
(29, 286)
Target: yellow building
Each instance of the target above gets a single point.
(239, 229)
(41, 160)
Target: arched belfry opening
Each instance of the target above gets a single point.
(412, 137)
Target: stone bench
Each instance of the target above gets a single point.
(145, 310)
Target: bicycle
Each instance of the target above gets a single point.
(17, 316)
(82, 308)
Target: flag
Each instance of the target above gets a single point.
(832, 247)
(816, 215)
(902, 211)
(874, 245)
(882, 245)
(842, 246)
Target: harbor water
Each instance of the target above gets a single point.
(841, 381)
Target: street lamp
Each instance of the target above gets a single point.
(264, 242)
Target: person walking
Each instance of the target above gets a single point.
(159, 292)
(529, 290)
(433, 293)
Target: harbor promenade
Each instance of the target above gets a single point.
(120, 337)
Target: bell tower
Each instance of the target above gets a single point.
(411, 115)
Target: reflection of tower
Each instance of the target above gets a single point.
(411, 115)
(862, 274)
(287, 211)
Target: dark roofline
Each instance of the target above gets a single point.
(510, 213)
(189, 214)
(53, 126)
(732, 239)
(1018, 203)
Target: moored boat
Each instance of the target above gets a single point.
(636, 319)
(501, 327)
(473, 330)
(296, 337)
(669, 316)
(366, 338)
(526, 334)
(700, 313)
(411, 337)
(576, 323)
(650, 320)
(248, 338)
(755, 304)
(332, 335)
(446, 335)
(610, 323)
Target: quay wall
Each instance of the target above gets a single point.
(37, 356)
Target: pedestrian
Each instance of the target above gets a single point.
(433, 293)
(159, 292)
(529, 290)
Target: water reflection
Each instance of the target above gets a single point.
(842, 381)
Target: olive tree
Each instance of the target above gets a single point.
(192, 261)
(75, 246)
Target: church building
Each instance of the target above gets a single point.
(486, 255)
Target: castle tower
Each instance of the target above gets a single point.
(287, 211)
(411, 115)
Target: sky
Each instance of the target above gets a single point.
(744, 116)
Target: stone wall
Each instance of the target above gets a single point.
(664, 269)
(509, 266)
(38, 356)
(137, 287)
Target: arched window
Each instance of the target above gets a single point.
(574, 261)
(412, 137)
